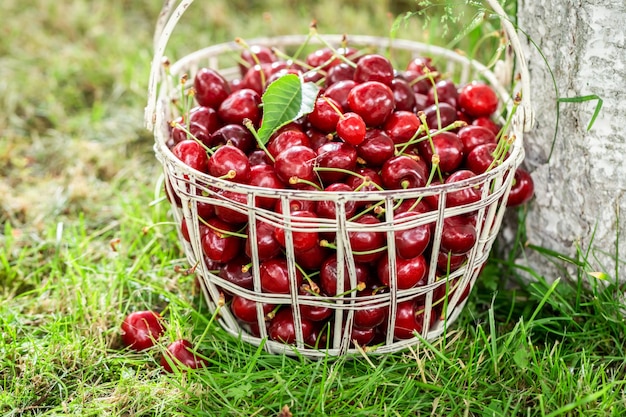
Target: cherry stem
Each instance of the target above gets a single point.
(434, 161)
(297, 180)
(192, 136)
(329, 46)
(248, 123)
(435, 95)
(223, 233)
(255, 58)
(414, 140)
(326, 244)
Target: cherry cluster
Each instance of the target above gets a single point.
(373, 128)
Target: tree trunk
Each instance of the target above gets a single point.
(580, 177)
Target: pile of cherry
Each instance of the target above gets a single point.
(372, 128)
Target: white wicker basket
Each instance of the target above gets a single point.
(184, 181)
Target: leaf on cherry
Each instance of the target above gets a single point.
(285, 100)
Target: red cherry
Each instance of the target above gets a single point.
(409, 272)
(192, 154)
(329, 275)
(376, 148)
(254, 55)
(373, 101)
(488, 123)
(246, 310)
(447, 146)
(374, 67)
(404, 172)
(522, 190)
(478, 99)
(237, 272)
(408, 320)
(458, 235)
(275, 276)
(240, 105)
(369, 317)
(369, 243)
(335, 158)
(180, 354)
(211, 88)
(411, 242)
(467, 195)
(296, 163)
(301, 241)
(325, 116)
(401, 126)
(265, 176)
(266, 244)
(472, 136)
(282, 327)
(141, 329)
(217, 244)
(230, 163)
(351, 128)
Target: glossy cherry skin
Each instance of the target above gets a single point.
(409, 272)
(477, 99)
(235, 135)
(448, 262)
(282, 327)
(314, 313)
(255, 55)
(369, 317)
(376, 148)
(488, 123)
(408, 321)
(446, 93)
(411, 242)
(141, 329)
(217, 244)
(203, 121)
(325, 114)
(228, 160)
(265, 176)
(373, 101)
(328, 209)
(472, 136)
(229, 214)
(241, 105)
(362, 336)
(480, 159)
(192, 154)
(374, 67)
(296, 163)
(275, 276)
(266, 244)
(313, 258)
(339, 92)
(301, 240)
(522, 190)
(467, 195)
(402, 126)
(367, 245)
(447, 115)
(181, 354)
(339, 72)
(246, 310)
(287, 137)
(237, 271)
(448, 147)
(403, 95)
(211, 88)
(329, 275)
(351, 128)
(335, 158)
(403, 172)
(458, 235)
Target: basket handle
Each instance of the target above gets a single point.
(169, 17)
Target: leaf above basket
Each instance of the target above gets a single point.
(285, 100)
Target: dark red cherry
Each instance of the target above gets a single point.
(328, 208)
(254, 55)
(246, 310)
(339, 92)
(287, 137)
(141, 329)
(301, 240)
(351, 128)
(218, 242)
(403, 95)
(376, 148)
(412, 241)
(488, 123)
(368, 245)
(192, 154)
(211, 88)
(282, 327)
(325, 114)
(467, 195)
(374, 67)
(265, 176)
(440, 116)
(369, 317)
(230, 163)
(235, 135)
(402, 126)
(334, 159)
(237, 271)
(480, 158)
(472, 136)
(448, 147)
(180, 354)
(409, 273)
(227, 212)
(408, 321)
(404, 172)
(522, 190)
(373, 101)
(275, 276)
(446, 93)
(458, 235)
(329, 275)
(296, 163)
(241, 105)
(266, 244)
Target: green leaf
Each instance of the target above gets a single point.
(284, 101)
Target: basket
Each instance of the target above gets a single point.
(440, 297)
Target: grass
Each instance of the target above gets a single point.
(82, 246)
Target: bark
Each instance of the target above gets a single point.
(580, 188)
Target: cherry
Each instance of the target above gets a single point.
(447, 146)
(282, 327)
(522, 190)
(329, 275)
(211, 88)
(467, 195)
(472, 136)
(301, 241)
(265, 176)
(369, 317)
(227, 212)
(374, 67)
(259, 157)
(446, 93)
(266, 244)
(403, 172)
(324, 116)
(447, 115)
(328, 209)
(488, 123)
(367, 245)
(192, 154)
(312, 258)
(408, 320)
(255, 55)
(203, 121)
(376, 148)
(362, 336)
(314, 313)
(237, 271)
(373, 101)
(478, 99)
(275, 276)
(448, 262)
(403, 95)
(421, 65)
(458, 235)
(339, 92)
(410, 272)
(296, 163)
(402, 126)
(180, 353)
(141, 329)
(480, 158)
(351, 128)
(336, 157)
(421, 102)
(287, 137)
(246, 310)
(340, 72)
(241, 105)
(217, 243)
(231, 163)
(411, 242)
(317, 138)
(326, 58)
(235, 135)
(366, 180)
